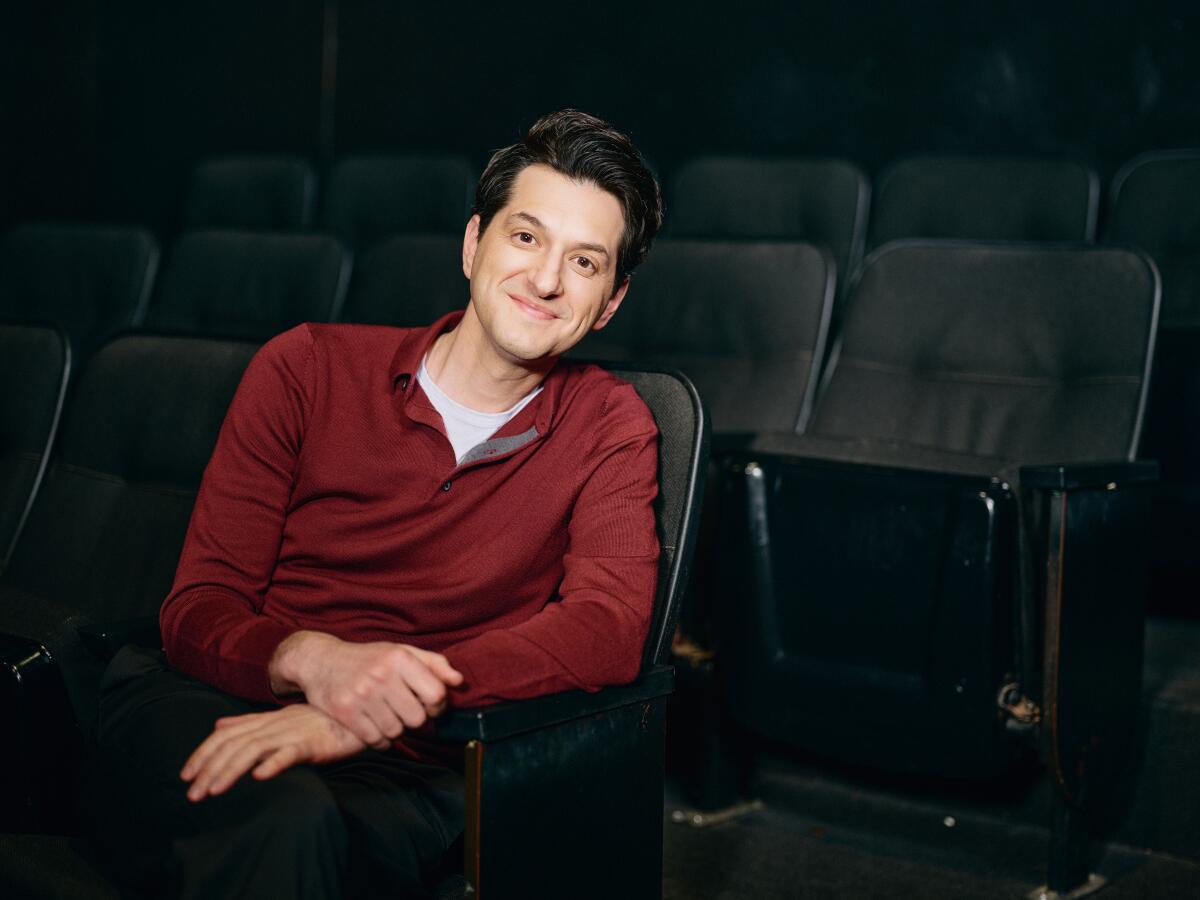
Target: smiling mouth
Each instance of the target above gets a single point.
(534, 310)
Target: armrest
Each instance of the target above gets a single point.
(103, 641)
(1089, 476)
(504, 720)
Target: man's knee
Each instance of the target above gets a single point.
(284, 836)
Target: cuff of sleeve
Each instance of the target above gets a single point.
(243, 661)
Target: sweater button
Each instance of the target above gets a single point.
(446, 486)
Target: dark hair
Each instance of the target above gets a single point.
(583, 148)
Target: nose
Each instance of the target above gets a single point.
(546, 275)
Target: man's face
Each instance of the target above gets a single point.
(542, 273)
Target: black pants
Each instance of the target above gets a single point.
(374, 824)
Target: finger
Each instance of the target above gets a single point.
(283, 758)
(226, 721)
(386, 719)
(215, 741)
(218, 761)
(201, 755)
(440, 666)
(347, 710)
(239, 763)
(421, 681)
(406, 706)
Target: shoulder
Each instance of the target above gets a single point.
(346, 347)
(610, 403)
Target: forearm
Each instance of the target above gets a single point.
(592, 638)
(212, 635)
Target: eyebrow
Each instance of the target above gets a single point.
(537, 223)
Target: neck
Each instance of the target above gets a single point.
(484, 381)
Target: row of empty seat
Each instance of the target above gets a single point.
(365, 198)
(964, 362)
(826, 202)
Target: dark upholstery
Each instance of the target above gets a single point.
(103, 538)
(986, 198)
(407, 280)
(34, 365)
(682, 456)
(1014, 352)
(747, 322)
(1153, 206)
(820, 201)
(368, 198)
(879, 573)
(249, 285)
(91, 281)
(272, 193)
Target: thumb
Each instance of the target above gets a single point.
(440, 666)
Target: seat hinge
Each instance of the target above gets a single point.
(1021, 713)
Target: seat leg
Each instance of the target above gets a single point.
(1067, 875)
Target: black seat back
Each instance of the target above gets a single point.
(272, 193)
(986, 199)
(105, 533)
(407, 280)
(820, 201)
(1027, 353)
(1153, 206)
(249, 285)
(368, 198)
(747, 322)
(34, 366)
(91, 281)
(682, 459)
(103, 538)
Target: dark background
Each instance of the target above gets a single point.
(105, 106)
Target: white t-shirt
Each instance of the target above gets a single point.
(466, 427)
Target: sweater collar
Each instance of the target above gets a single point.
(415, 343)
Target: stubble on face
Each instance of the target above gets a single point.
(542, 273)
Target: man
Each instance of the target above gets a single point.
(394, 521)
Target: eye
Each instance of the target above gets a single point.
(524, 237)
(584, 263)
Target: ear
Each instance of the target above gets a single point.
(613, 304)
(470, 245)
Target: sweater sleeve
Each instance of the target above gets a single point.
(592, 634)
(212, 623)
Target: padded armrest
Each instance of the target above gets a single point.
(103, 641)
(504, 720)
(1087, 476)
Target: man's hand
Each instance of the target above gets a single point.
(268, 743)
(375, 690)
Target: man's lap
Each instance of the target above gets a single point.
(397, 813)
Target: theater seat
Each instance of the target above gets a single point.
(945, 572)
(267, 193)
(1153, 207)
(368, 198)
(747, 321)
(407, 280)
(579, 764)
(37, 361)
(985, 198)
(249, 285)
(91, 281)
(100, 544)
(819, 201)
(564, 794)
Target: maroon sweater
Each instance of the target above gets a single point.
(332, 502)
